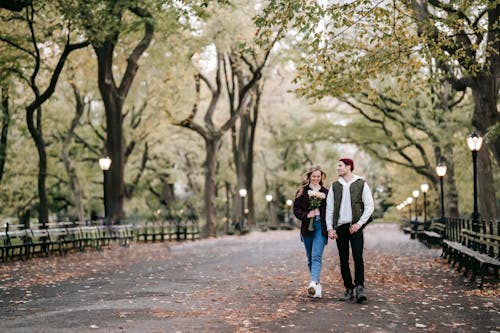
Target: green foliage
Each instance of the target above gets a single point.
(367, 55)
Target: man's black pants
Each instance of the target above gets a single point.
(356, 241)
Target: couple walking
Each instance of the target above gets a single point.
(338, 213)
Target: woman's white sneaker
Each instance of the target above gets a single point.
(312, 289)
(317, 294)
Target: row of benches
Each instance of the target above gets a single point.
(60, 238)
(168, 230)
(27, 243)
(472, 261)
(473, 247)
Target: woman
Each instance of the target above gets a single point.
(309, 207)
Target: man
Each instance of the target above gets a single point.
(349, 205)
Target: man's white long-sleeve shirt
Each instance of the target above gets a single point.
(345, 212)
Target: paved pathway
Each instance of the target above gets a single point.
(252, 283)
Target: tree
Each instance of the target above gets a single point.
(38, 64)
(210, 133)
(74, 182)
(104, 24)
(243, 134)
(465, 41)
(349, 47)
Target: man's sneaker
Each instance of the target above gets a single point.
(318, 291)
(348, 295)
(360, 294)
(311, 290)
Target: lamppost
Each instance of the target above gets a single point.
(474, 141)
(441, 172)
(269, 199)
(415, 194)
(409, 200)
(424, 188)
(105, 163)
(243, 194)
(289, 204)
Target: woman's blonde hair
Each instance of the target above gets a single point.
(307, 179)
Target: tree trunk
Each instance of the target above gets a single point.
(252, 119)
(451, 194)
(486, 189)
(485, 94)
(36, 134)
(210, 173)
(70, 170)
(243, 139)
(5, 120)
(113, 103)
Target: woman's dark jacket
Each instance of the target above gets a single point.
(301, 209)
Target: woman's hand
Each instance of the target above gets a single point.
(313, 213)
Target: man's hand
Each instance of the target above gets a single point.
(332, 234)
(354, 228)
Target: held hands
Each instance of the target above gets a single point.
(332, 234)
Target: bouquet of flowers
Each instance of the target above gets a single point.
(315, 198)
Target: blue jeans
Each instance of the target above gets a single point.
(314, 249)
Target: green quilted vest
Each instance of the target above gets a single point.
(357, 205)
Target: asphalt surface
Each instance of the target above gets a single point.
(251, 283)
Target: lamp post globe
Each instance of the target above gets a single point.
(474, 141)
(105, 163)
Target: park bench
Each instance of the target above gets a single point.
(175, 230)
(477, 250)
(88, 237)
(39, 242)
(151, 231)
(14, 244)
(105, 236)
(123, 234)
(430, 238)
(167, 229)
(58, 240)
(407, 230)
(3, 238)
(191, 230)
(432, 235)
(473, 261)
